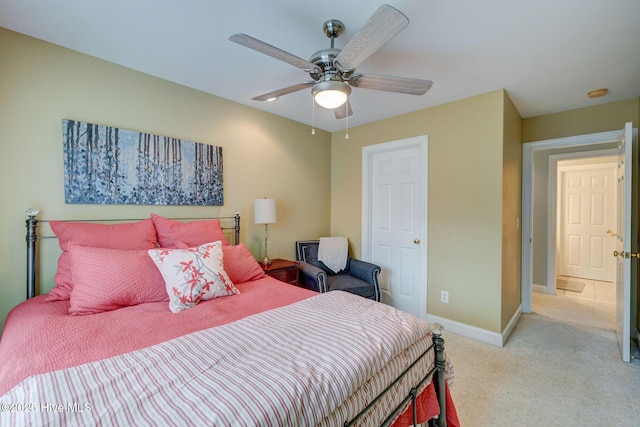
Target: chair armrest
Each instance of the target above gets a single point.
(312, 277)
(366, 271)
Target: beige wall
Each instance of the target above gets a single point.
(582, 121)
(264, 155)
(511, 212)
(464, 197)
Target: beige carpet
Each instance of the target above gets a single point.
(560, 367)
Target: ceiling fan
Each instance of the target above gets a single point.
(333, 71)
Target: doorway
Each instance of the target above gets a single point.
(539, 196)
(556, 252)
(535, 172)
(586, 219)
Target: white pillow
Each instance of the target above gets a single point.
(193, 275)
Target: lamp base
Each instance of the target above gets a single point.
(266, 261)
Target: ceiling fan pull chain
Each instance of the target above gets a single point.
(346, 133)
(313, 117)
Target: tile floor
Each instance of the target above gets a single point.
(594, 290)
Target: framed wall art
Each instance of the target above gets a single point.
(107, 165)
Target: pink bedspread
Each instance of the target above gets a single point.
(37, 334)
(315, 362)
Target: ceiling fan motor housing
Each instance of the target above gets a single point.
(325, 60)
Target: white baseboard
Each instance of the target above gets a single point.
(475, 333)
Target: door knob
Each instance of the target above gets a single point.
(416, 241)
(609, 231)
(626, 254)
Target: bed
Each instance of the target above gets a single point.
(122, 339)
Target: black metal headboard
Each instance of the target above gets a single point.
(33, 237)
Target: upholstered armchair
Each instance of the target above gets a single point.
(358, 277)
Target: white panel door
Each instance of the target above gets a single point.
(624, 243)
(587, 213)
(394, 209)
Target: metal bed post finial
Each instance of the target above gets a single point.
(237, 218)
(438, 342)
(32, 237)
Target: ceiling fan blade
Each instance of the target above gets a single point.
(391, 84)
(283, 91)
(343, 111)
(274, 52)
(383, 25)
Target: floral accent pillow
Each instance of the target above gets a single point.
(193, 275)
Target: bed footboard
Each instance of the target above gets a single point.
(438, 343)
(437, 374)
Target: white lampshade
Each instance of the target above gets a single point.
(330, 94)
(264, 211)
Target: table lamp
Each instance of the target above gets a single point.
(264, 211)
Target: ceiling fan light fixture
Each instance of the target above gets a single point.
(330, 94)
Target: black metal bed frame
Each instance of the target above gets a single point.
(436, 373)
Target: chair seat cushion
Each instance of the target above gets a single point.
(351, 284)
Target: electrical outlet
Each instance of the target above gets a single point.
(444, 297)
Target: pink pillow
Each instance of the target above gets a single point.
(240, 264)
(108, 279)
(135, 235)
(172, 233)
(193, 275)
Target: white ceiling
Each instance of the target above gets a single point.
(547, 54)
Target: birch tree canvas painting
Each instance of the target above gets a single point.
(107, 165)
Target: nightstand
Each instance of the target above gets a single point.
(283, 270)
